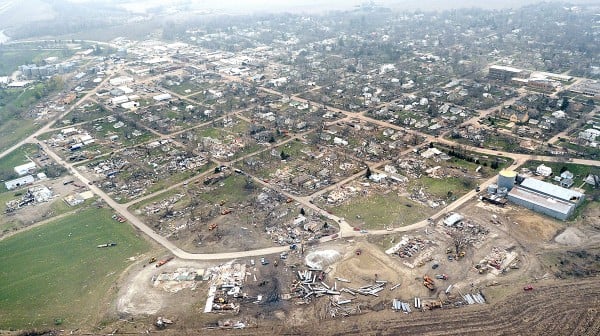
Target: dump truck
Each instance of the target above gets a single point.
(212, 226)
(428, 282)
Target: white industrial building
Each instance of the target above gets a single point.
(546, 198)
(161, 97)
(21, 181)
(25, 168)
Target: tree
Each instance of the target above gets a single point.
(302, 212)
(249, 185)
(368, 173)
(460, 240)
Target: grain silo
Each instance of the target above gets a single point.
(506, 179)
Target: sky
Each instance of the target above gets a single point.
(319, 5)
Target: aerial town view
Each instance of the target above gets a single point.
(299, 167)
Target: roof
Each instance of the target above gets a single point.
(19, 182)
(163, 96)
(505, 68)
(551, 189)
(541, 200)
(508, 173)
(24, 168)
(453, 219)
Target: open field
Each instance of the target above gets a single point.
(380, 211)
(15, 104)
(12, 131)
(57, 272)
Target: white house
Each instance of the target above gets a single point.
(543, 170)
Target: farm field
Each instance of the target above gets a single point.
(49, 273)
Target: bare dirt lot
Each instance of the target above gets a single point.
(37, 211)
(565, 299)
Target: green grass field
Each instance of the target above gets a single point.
(56, 271)
(379, 211)
(441, 187)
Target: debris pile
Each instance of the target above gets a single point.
(408, 247)
(342, 308)
(498, 261)
(226, 281)
(474, 298)
(398, 305)
(180, 279)
(35, 194)
(311, 283)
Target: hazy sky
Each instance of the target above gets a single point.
(312, 5)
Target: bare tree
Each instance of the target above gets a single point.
(460, 240)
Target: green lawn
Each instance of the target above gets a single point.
(378, 211)
(14, 130)
(56, 270)
(14, 102)
(441, 187)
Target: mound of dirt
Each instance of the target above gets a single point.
(322, 259)
(570, 237)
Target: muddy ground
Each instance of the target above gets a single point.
(557, 258)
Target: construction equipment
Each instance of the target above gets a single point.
(164, 261)
(528, 288)
(212, 226)
(152, 260)
(226, 211)
(428, 282)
